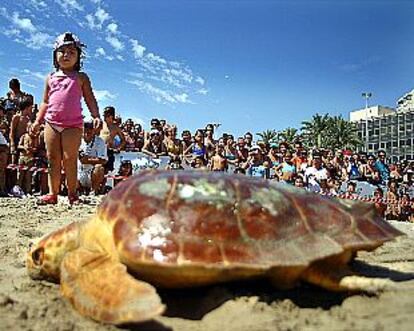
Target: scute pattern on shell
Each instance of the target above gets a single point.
(189, 217)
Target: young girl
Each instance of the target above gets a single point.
(62, 112)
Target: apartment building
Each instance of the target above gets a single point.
(389, 129)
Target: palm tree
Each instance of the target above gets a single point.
(315, 130)
(289, 135)
(342, 134)
(268, 136)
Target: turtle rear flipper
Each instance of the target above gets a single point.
(99, 287)
(340, 278)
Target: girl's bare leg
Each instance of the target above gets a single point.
(71, 140)
(53, 143)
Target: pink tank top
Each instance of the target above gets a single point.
(65, 95)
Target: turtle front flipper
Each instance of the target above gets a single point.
(100, 287)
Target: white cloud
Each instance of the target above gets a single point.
(181, 74)
(23, 23)
(38, 4)
(202, 91)
(137, 49)
(95, 21)
(101, 15)
(156, 58)
(38, 40)
(104, 95)
(24, 31)
(69, 5)
(34, 74)
(115, 43)
(200, 80)
(11, 32)
(112, 28)
(100, 52)
(183, 98)
(160, 95)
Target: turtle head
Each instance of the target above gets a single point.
(45, 257)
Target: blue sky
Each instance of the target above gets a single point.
(249, 65)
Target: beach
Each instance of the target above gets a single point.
(26, 304)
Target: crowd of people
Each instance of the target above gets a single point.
(24, 161)
(50, 150)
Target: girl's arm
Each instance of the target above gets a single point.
(89, 98)
(43, 106)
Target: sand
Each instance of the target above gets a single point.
(36, 305)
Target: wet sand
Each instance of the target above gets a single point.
(36, 305)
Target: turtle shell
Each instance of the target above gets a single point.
(215, 220)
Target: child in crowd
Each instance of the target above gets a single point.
(254, 165)
(218, 162)
(28, 146)
(61, 110)
(125, 170)
(18, 125)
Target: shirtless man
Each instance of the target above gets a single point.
(13, 98)
(218, 162)
(112, 134)
(18, 125)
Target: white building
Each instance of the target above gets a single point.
(370, 112)
(385, 128)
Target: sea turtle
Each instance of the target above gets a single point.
(189, 228)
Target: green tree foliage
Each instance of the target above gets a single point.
(315, 131)
(289, 135)
(342, 134)
(322, 131)
(268, 136)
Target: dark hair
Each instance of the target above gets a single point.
(88, 125)
(25, 101)
(186, 132)
(14, 82)
(201, 131)
(109, 111)
(156, 121)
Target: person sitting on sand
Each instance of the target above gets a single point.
(92, 159)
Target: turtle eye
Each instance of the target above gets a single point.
(37, 256)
